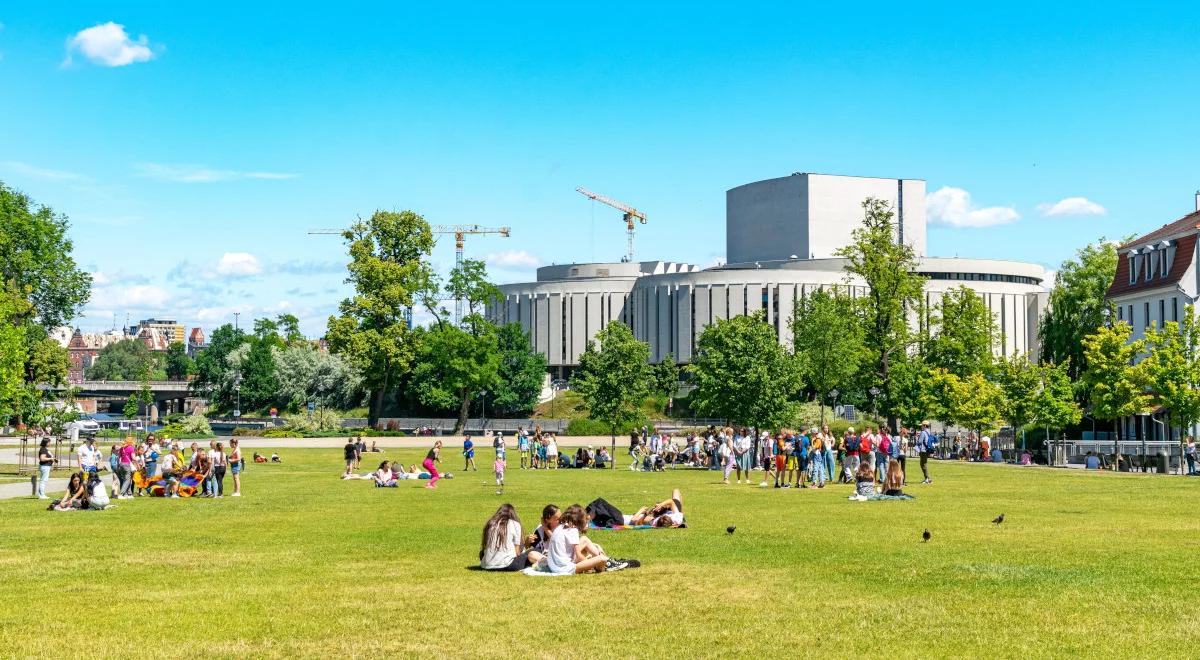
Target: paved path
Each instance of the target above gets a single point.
(54, 488)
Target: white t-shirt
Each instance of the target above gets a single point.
(742, 443)
(88, 456)
(560, 556)
(505, 554)
(166, 462)
(674, 516)
(216, 458)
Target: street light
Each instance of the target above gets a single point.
(874, 392)
(237, 388)
(833, 395)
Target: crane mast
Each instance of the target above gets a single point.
(630, 213)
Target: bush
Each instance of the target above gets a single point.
(321, 419)
(588, 426)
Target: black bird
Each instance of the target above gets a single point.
(730, 529)
(925, 536)
(998, 519)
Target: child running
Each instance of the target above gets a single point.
(498, 467)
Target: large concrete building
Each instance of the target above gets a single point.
(786, 233)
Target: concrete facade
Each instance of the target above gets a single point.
(810, 216)
(668, 304)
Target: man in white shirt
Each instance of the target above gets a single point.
(89, 456)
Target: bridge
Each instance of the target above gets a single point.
(172, 393)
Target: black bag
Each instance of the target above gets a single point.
(604, 514)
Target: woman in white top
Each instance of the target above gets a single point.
(235, 466)
(569, 552)
(503, 548)
(97, 495)
(216, 458)
(552, 452)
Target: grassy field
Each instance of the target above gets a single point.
(307, 565)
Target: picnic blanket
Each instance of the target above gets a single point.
(533, 571)
(877, 498)
(593, 525)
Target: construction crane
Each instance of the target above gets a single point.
(460, 232)
(629, 211)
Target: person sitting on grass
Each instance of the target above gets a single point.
(76, 495)
(259, 458)
(503, 548)
(894, 481)
(539, 539)
(384, 477)
(864, 481)
(602, 458)
(97, 495)
(275, 458)
(570, 551)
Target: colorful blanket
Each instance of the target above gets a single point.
(622, 527)
(189, 483)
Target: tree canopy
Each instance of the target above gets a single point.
(828, 332)
(1172, 367)
(128, 359)
(1116, 387)
(964, 334)
(742, 374)
(519, 377)
(614, 376)
(1076, 305)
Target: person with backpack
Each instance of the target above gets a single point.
(926, 444)
(883, 454)
(816, 457)
(866, 448)
(850, 464)
(803, 448)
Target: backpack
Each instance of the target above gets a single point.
(885, 445)
(852, 444)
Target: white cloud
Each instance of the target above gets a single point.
(238, 264)
(1072, 206)
(107, 44)
(138, 296)
(202, 174)
(953, 207)
(512, 259)
(43, 172)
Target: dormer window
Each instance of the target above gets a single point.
(1133, 266)
(1166, 252)
(1151, 259)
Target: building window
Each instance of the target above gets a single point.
(1146, 315)
(1151, 262)
(1120, 313)
(1130, 319)
(1162, 313)
(1174, 309)
(1133, 266)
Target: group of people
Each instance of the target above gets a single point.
(389, 474)
(137, 467)
(560, 544)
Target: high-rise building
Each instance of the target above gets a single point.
(173, 331)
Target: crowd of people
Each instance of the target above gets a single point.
(788, 458)
(153, 466)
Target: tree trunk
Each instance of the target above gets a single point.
(376, 408)
(822, 405)
(464, 409)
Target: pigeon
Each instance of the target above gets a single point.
(998, 519)
(730, 529)
(925, 536)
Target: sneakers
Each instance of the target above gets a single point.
(430, 486)
(236, 495)
(927, 481)
(614, 565)
(761, 484)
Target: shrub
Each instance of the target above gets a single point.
(195, 424)
(588, 426)
(321, 419)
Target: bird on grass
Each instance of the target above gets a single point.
(998, 519)
(925, 536)
(730, 529)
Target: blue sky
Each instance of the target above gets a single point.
(192, 149)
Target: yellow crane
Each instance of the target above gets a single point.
(460, 232)
(629, 211)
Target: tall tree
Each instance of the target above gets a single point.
(614, 376)
(666, 376)
(1020, 382)
(828, 333)
(260, 386)
(35, 256)
(743, 374)
(915, 396)
(1055, 407)
(453, 365)
(965, 334)
(973, 402)
(1172, 368)
(522, 370)
(888, 268)
(1115, 386)
(128, 359)
(213, 369)
(178, 364)
(306, 375)
(13, 353)
(387, 272)
(1077, 305)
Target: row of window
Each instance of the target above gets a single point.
(1150, 262)
(983, 277)
(1125, 313)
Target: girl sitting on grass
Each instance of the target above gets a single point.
(384, 477)
(540, 538)
(502, 547)
(864, 481)
(894, 482)
(76, 495)
(570, 551)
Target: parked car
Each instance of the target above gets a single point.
(85, 425)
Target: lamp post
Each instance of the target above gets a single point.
(833, 395)
(237, 388)
(874, 392)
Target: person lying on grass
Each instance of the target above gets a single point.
(570, 550)
(502, 548)
(667, 513)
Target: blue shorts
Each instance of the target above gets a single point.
(235, 467)
(469, 453)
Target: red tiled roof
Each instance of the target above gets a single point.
(1185, 249)
(1189, 221)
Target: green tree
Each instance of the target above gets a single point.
(974, 402)
(888, 268)
(453, 365)
(1055, 406)
(1020, 382)
(1077, 306)
(742, 374)
(388, 275)
(13, 353)
(130, 410)
(1172, 368)
(915, 397)
(666, 376)
(828, 332)
(306, 374)
(289, 329)
(260, 387)
(522, 370)
(1116, 387)
(127, 359)
(178, 364)
(966, 334)
(35, 256)
(614, 376)
(213, 378)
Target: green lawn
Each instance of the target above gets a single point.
(307, 565)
